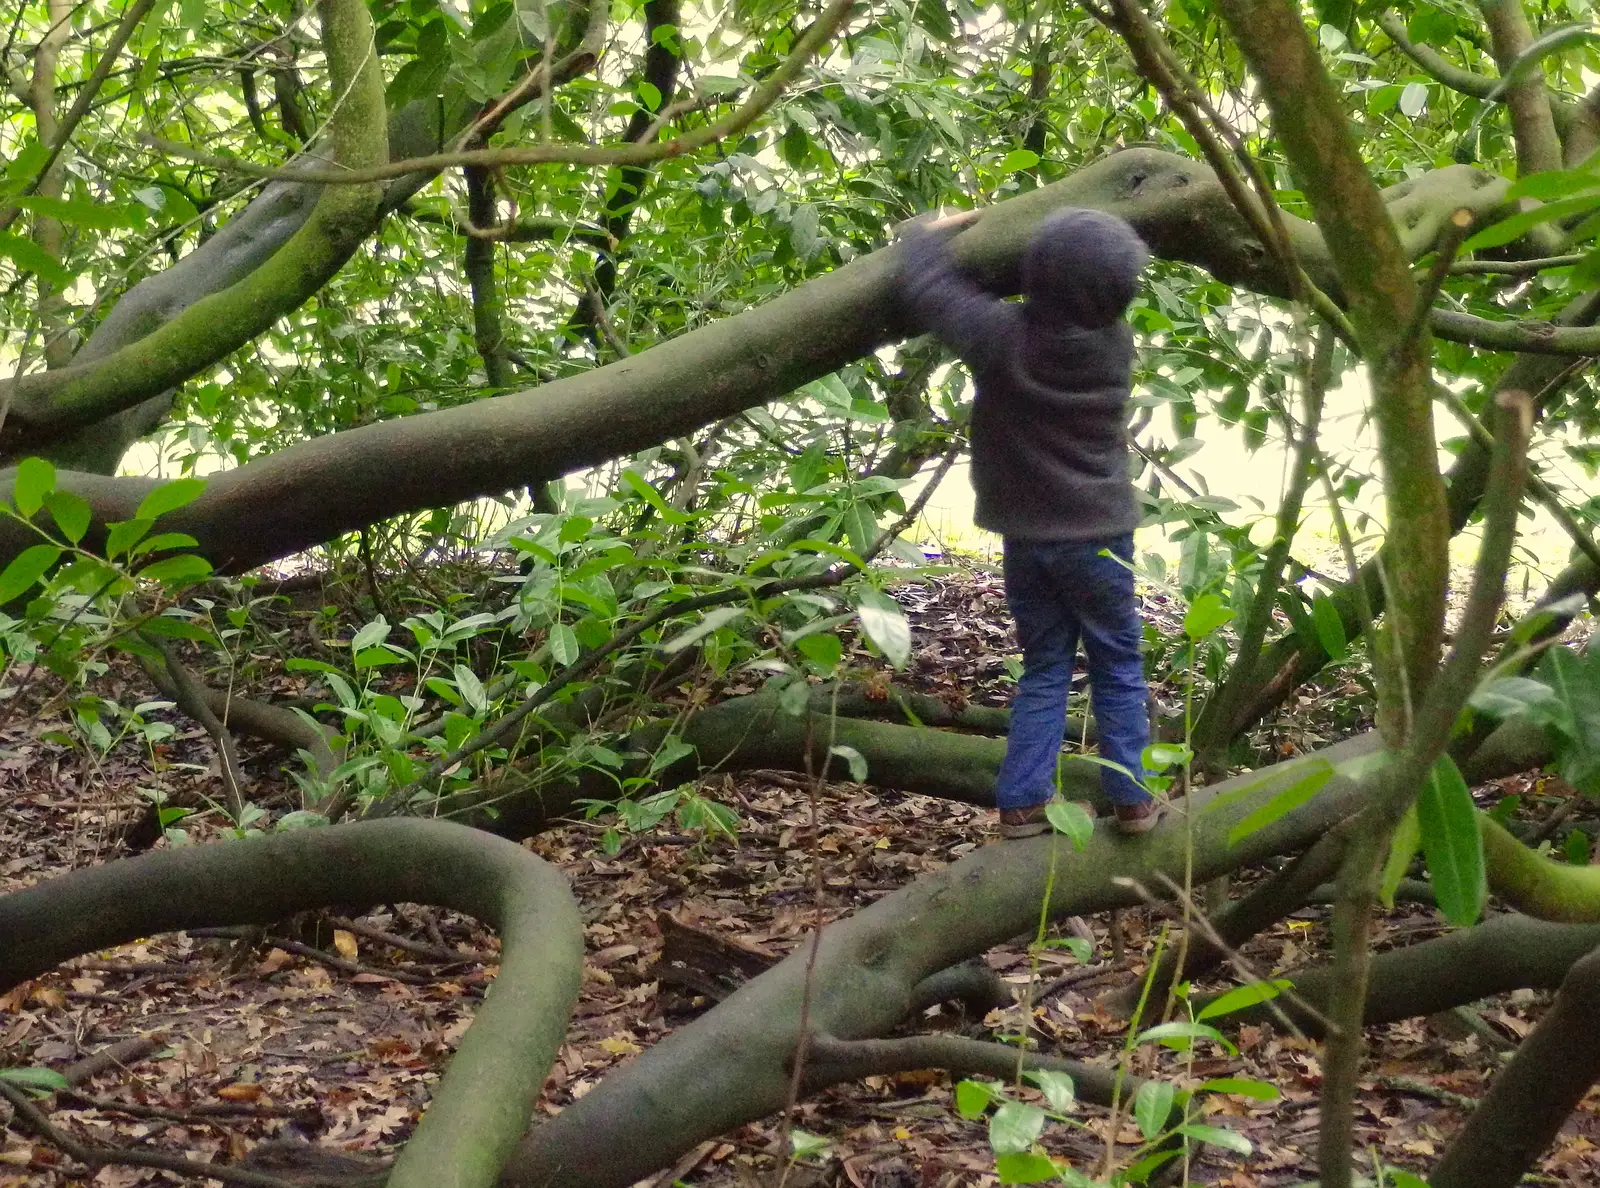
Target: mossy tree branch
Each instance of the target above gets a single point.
(1533, 1096)
(1381, 297)
(321, 488)
(483, 1103)
(43, 406)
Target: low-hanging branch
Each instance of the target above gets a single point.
(317, 489)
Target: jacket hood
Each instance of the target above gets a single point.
(1082, 267)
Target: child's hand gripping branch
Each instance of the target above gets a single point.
(1050, 469)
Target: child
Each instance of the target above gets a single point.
(1050, 470)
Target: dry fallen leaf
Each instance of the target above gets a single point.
(240, 1091)
(344, 944)
(620, 1045)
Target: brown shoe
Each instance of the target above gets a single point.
(1023, 822)
(1031, 821)
(1134, 819)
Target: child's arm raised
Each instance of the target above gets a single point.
(977, 325)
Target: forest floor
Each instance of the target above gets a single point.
(332, 1034)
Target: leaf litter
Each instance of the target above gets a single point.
(334, 1035)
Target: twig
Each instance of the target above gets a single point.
(191, 700)
(124, 1052)
(819, 906)
(1513, 267)
(432, 952)
(1451, 237)
(540, 79)
(102, 1156)
(1421, 1088)
(352, 967)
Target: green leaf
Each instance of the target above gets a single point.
(1239, 1087)
(1057, 1087)
(1180, 1035)
(564, 647)
(376, 657)
(471, 688)
(1025, 1167)
(36, 478)
(709, 622)
(823, 649)
(35, 1081)
(1206, 613)
(169, 497)
(96, 216)
(1576, 848)
(1216, 1136)
(669, 752)
(1318, 772)
(805, 1144)
(1019, 159)
(1152, 1106)
(1015, 1127)
(162, 541)
(1161, 755)
(855, 759)
(1451, 843)
(1403, 847)
(123, 535)
(26, 568)
(1242, 997)
(177, 571)
(972, 1099)
(30, 257)
(1404, 1179)
(885, 624)
(1518, 225)
(1070, 817)
(1506, 697)
(1329, 623)
(172, 627)
(71, 514)
(1414, 99)
(370, 635)
(301, 819)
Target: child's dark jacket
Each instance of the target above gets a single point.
(1049, 422)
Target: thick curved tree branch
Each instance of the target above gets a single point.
(484, 1100)
(341, 482)
(1534, 1095)
(242, 245)
(1506, 952)
(42, 406)
(732, 1065)
(1526, 337)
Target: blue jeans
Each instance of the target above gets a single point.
(1061, 592)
